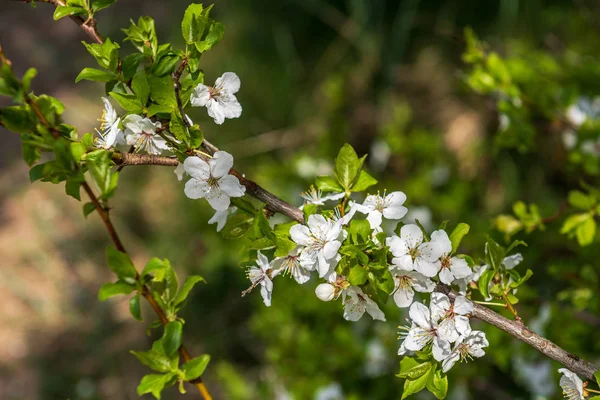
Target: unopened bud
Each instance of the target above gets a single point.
(325, 292)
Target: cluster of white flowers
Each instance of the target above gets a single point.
(140, 132)
(444, 325)
(145, 134)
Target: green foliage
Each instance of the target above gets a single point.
(458, 234)
(121, 264)
(199, 30)
(109, 290)
(194, 368)
(581, 226)
(143, 36)
(106, 54)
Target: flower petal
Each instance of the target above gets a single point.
(300, 234)
(412, 234)
(419, 314)
(462, 305)
(195, 189)
(231, 185)
(197, 168)
(403, 297)
(220, 164)
(229, 81)
(218, 199)
(200, 96)
(374, 218)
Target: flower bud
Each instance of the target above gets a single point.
(325, 292)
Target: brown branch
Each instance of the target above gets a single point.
(273, 203)
(561, 210)
(524, 334)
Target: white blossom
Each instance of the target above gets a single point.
(320, 243)
(466, 346)
(142, 134)
(290, 264)
(109, 131)
(260, 275)
(212, 180)
(315, 196)
(462, 284)
(451, 268)
(512, 261)
(410, 252)
(451, 316)
(571, 385)
(406, 282)
(356, 303)
(423, 331)
(220, 217)
(378, 207)
(219, 100)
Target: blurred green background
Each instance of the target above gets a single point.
(385, 76)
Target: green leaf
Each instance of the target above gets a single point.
(193, 23)
(140, 87)
(494, 254)
(135, 308)
(597, 376)
(363, 182)
(484, 282)
(414, 385)
(129, 102)
(93, 74)
(214, 36)
(438, 384)
(106, 54)
(166, 64)
(64, 11)
(162, 91)
(130, 64)
(406, 364)
(120, 264)
(88, 208)
(156, 266)
(357, 276)
(347, 166)
(194, 368)
(164, 109)
(521, 280)
(586, 232)
(27, 78)
(171, 340)
(19, 119)
(72, 187)
(328, 184)
(283, 246)
(237, 226)
(359, 228)
(186, 288)
(156, 360)
(77, 150)
(155, 383)
(98, 5)
(457, 235)
(113, 289)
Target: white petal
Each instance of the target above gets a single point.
(232, 108)
(197, 168)
(262, 261)
(443, 241)
(449, 362)
(317, 223)
(373, 310)
(374, 219)
(220, 164)
(462, 325)
(459, 267)
(412, 234)
(404, 297)
(446, 276)
(512, 261)
(195, 189)
(216, 111)
(422, 283)
(439, 304)
(179, 171)
(131, 122)
(229, 81)
(429, 269)
(404, 263)
(398, 247)
(395, 212)
(441, 349)
(300, 234)
(419, 314)
(231, 185)
(217, 199)
(431, 251)
(395, 199)
(331, 249)
(462, 305)
(266, 295)
(220, 218)
(200, 96)
(325, 292)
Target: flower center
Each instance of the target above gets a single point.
(147, 134)
(404, 282)
(445, 260)
(464, 350)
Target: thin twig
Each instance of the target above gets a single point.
(524, 334)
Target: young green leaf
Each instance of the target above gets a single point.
(416, 384)
(357, 276)
(130, 103)
(171, 340)
(106, 54)
(93, 74)
(438, 384)
(155, 383)
(140, 87)
(156, 360)
(347, 166)
(186, 288)
(135, 308)
(328, 184)
(363, 182)
(110, 289)
(194, 368)
(457, 235)
(120, 264)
